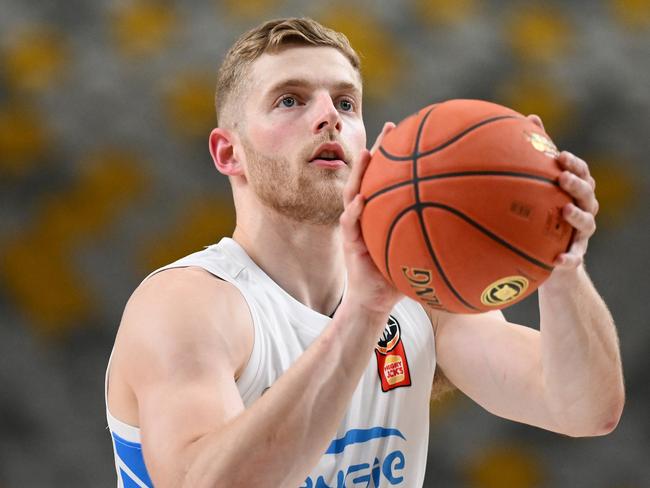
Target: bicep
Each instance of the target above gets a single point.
(185, 336)
(496, 363)
(180, 409)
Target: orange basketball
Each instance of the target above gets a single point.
(463, 207)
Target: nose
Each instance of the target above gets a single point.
(326, 116)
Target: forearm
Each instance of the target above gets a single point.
(581, 362)
(282, 435)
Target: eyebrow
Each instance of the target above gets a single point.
(344, 86)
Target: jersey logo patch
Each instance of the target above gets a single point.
(392, 366)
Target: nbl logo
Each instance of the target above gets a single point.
(390, 337)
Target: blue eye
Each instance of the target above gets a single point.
(288, 101)
(346, 105)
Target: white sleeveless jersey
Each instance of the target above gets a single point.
(381, 441)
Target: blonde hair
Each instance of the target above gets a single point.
(272, 36)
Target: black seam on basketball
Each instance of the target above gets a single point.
(431, 253)
(461, 174)
(427, 241)
(415, 156)
(390, 233)
(488, 233)
(445, 144)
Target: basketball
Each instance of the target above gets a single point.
(463, 206)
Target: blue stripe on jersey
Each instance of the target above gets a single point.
(356, 436)
(127, 481)
(131, 454)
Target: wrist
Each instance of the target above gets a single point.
(359, 312)
(354, 326)
(375, 308)
(563, 279)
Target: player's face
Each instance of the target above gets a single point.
(303, 131)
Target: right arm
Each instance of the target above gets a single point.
(195, 430)
(278, 440)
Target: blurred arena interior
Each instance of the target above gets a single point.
(105, 108)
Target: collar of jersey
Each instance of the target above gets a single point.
(305, 318)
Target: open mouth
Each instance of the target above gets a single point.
(329, 155)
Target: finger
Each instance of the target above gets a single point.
(353, 184)
(591, 182)
(350, 219)
(388, 126)
(583, 222)
(577, 166)
(575, 255)
(579, 189)
(536, 120)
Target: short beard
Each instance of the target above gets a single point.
(310, 195)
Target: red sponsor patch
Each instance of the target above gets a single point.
(392, 366)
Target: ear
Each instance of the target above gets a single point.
(222, 150)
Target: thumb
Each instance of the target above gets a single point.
(388, 126)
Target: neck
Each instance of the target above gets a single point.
(305, 260)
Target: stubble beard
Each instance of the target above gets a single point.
(308, 194)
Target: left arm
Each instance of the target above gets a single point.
(580, 355)
(566, 377)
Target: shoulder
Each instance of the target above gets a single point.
(461, 322)
(181, 313)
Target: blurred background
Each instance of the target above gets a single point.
(105, 108)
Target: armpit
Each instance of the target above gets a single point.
(441, 385)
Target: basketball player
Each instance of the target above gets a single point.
(281, 357)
